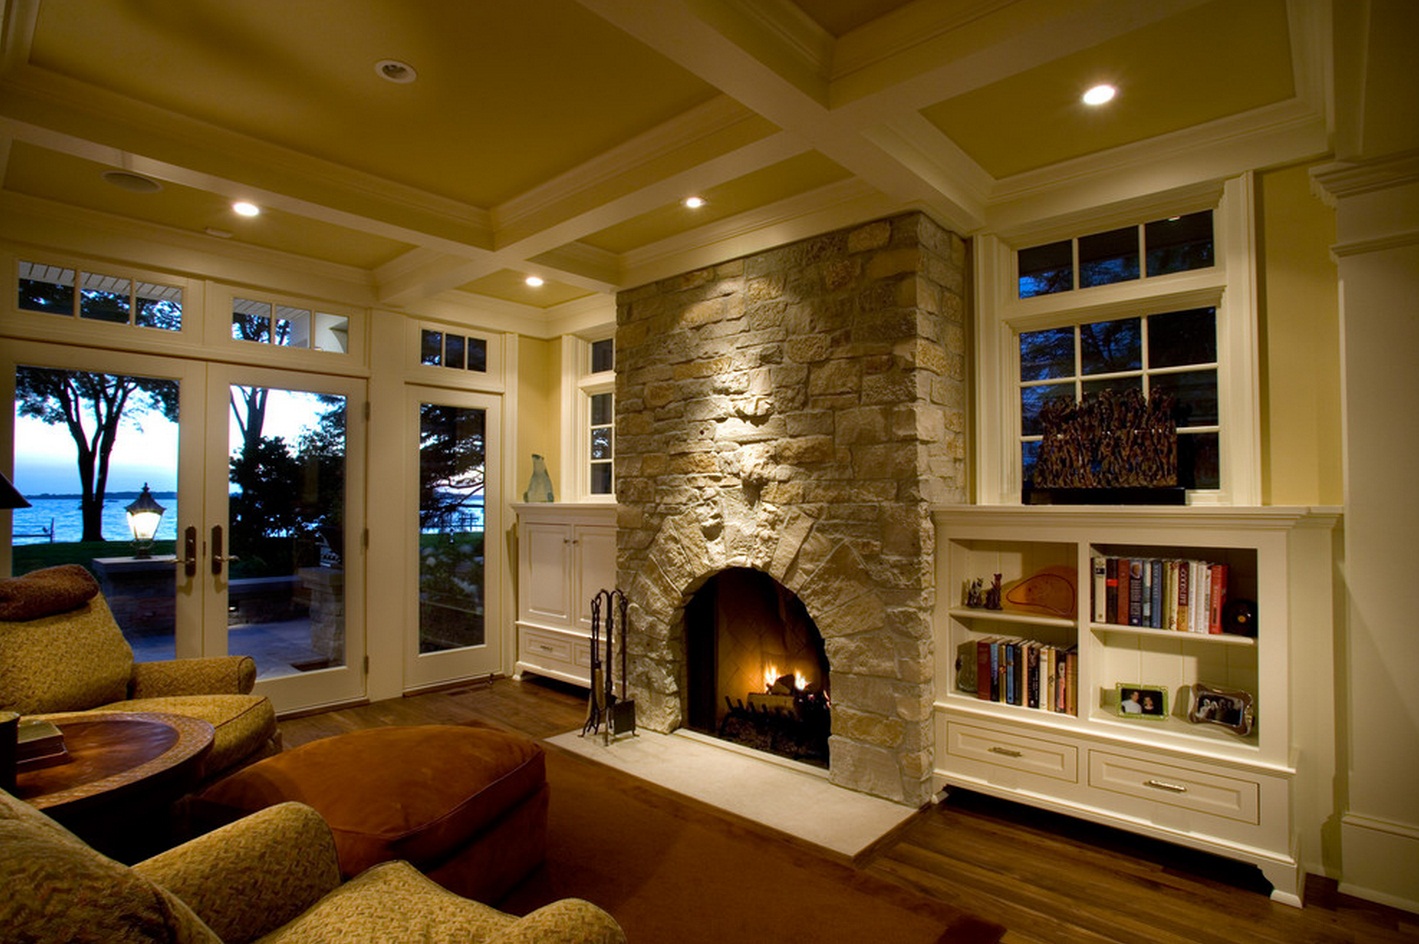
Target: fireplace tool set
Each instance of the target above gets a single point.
(603, 705)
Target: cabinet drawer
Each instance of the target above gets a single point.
(1015, 751)
(1198, 790)
(542, 647)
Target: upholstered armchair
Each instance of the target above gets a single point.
(272, 876)
(61, 651)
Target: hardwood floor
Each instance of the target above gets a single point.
(1043, 877)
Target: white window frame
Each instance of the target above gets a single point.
(579, 385)
(219, 299)
(1229, 286)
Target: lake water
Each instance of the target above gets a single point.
(63, 512)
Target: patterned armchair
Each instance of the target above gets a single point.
(272, 876)
(61, 651)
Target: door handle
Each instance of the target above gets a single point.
(188, 560)
(217, 558)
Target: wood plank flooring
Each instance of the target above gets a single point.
(1046, 879)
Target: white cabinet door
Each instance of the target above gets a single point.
(595, 553)
(547, 579)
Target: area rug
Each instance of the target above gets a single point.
(671, 869)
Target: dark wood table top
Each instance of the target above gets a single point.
(113, 755)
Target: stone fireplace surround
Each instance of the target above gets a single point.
(798, 412)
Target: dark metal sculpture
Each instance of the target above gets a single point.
(1108, 440)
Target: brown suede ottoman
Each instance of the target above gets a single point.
(465, 805)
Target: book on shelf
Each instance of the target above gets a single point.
(1177, 595)
(1025, 672)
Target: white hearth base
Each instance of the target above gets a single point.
(791, 798)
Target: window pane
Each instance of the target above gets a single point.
(1179, 244)
(251, 320)
(1047, 354)
(1029, 457)
(292, 326)
(601, 409)
(601, 478)
(104, 298)
(1110, 346)
(1197, 461)
(478, 355)
(1178, 338)
(453, 352)
(1032, 399)
(1105, 258)
(1194, 393)
(1046, 269)
(159, 306)
(46, 288)
(601, 442)
(332, 333)
(603, 355)
(452, 477)
(431, 348)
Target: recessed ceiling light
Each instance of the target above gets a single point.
(131, 181)
(534, 280)
(1100, 94)
(243, 208)
(395, 71)
(694, 203)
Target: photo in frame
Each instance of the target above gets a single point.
(1231, 708)
(1145, 702)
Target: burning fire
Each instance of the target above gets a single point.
(772, 675)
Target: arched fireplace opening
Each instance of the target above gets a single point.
(757, 672)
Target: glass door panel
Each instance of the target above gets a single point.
(456, 628)
(282, 514)
(91, 442)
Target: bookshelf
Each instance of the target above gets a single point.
(1241, 790)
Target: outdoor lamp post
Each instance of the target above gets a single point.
(144, 513)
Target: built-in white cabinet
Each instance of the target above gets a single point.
(1246, 789)
(566, 555)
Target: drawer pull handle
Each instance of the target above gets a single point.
(543, 648)
(1005, 751)
(1164, 785)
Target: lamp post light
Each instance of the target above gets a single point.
(144, 513)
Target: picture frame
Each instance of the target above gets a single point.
(1231, 708)
(1140, 702)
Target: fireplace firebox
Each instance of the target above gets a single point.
(757, 669)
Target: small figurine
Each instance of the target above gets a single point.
(992, 596)
(975, 599)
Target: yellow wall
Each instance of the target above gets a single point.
(539, 419)
(1300, 343)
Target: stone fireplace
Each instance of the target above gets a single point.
(797, 413)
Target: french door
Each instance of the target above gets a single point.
(454, 501)
(260, 476)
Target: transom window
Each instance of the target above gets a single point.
(1172, 354)
(453, 350)
(263, 322)
(98, 296)
(1175, 244)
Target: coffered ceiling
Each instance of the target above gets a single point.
(559, 137)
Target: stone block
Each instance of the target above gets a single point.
(874, 235)
(866, 768)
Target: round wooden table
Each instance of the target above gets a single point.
(123, 772)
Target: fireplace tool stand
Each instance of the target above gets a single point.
(602, 705)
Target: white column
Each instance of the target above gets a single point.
(1377, 253)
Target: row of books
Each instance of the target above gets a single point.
(1160, 593)
(1027, 672)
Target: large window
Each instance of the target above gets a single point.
(601, 429)
(589, 402)
(1171, 354)
(1159, 305)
